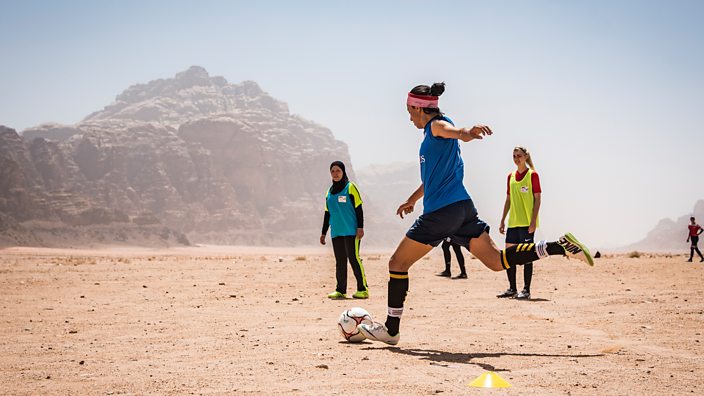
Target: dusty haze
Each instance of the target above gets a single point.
(606, 96)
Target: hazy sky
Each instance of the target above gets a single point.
(608, 95)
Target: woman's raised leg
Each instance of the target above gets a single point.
(484, 248)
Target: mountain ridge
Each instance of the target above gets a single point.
(213, 161)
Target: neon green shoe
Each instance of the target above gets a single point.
(336, 295)
(575, 249)
(361, 294)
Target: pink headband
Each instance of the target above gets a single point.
(425, 101)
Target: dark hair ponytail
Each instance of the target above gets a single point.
(436, 90)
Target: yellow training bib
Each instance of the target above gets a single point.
(522, 199)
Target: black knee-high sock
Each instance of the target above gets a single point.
(511, 274)
(699, 253)
(527, 252)
(527, 276)
(398, 287)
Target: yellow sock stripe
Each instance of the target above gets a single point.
(398, 276)
(359, 260)
(530, 246)
(503, 259)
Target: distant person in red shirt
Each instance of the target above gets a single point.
(694, 231)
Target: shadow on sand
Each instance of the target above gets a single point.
(467, 358)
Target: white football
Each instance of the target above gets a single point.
(349, 320)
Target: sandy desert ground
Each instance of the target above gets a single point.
(216, 320)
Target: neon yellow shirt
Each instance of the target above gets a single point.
(522, 200)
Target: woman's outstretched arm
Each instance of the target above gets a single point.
(445, 129)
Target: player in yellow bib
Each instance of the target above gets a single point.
(522, 205)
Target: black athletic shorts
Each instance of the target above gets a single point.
(518, 235)
(458, 221)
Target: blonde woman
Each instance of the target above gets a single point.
(522, 205)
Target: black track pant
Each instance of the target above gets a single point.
(448, 257)
(346, 248)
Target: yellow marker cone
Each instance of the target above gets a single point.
(489, 380)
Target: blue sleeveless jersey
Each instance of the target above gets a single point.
(343, 219)
(441, 170)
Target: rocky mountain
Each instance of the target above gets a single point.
(670, 235)
(192, 95)
(191, 157)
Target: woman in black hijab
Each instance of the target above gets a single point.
(345, 218)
